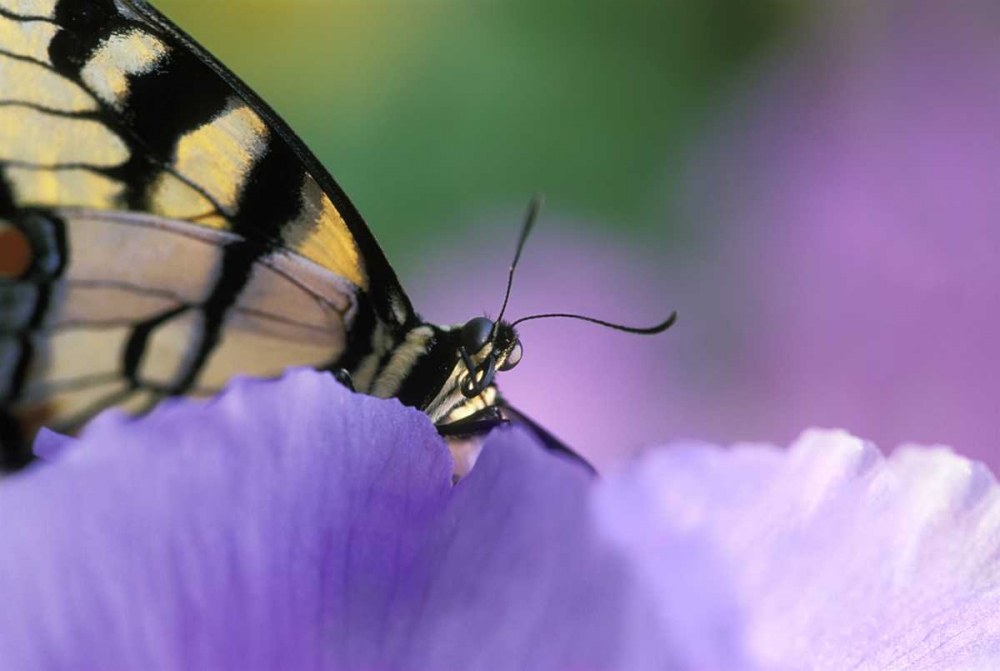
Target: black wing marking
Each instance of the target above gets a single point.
(391, 302)
(109, 106)
(98, 330)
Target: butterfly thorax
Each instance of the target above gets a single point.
(432, 368)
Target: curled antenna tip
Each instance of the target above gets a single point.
(667, 323)
(639, 330)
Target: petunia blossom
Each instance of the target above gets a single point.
(293, 524)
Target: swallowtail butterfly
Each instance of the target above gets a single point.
(161, 230)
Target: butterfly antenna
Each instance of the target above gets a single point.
(648, 330)
(529, 222)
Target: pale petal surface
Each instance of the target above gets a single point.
(264, 529)
(296, 525)
(839, 558)
(292, 524)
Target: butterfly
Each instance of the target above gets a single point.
(162, 229)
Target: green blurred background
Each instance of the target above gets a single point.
(431, 112)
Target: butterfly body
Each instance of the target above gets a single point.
(162, 229)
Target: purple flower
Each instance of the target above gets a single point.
(291, 524)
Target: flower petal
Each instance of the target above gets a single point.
(50, 446)
(292, 524)
(266, 528)
(517, 578)
(838, 557)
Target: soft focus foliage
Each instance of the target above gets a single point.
(292, 524)
(427, 112)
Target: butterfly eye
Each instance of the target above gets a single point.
(476, 334)
(513, 357)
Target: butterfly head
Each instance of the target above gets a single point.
(463, 360)
(486, 347)
(456, 366)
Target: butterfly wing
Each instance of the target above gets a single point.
(161, 229)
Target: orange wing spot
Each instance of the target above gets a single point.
(32, 418)
(16, 254)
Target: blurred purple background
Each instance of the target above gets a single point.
(844, 270)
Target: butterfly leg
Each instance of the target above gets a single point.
(483, 421)
(465, 438)
(549, 441)
(476, 424)
(344, 377)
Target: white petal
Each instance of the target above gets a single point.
(835, 556)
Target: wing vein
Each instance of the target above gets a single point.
(26, 19)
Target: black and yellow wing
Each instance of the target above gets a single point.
(160, 227)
